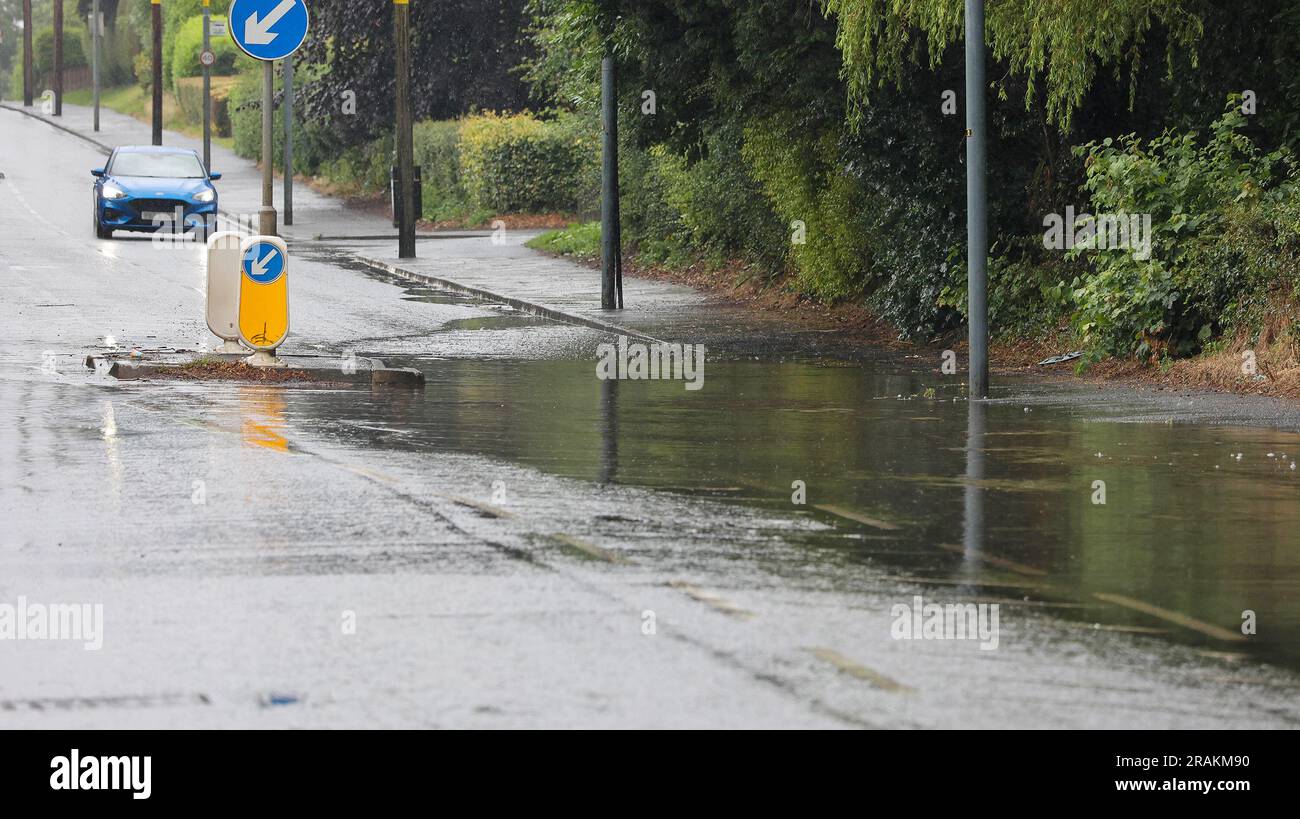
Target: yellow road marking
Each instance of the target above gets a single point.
(994, 560)
(589, 549)
(725, 606)
(859, 671)
(494, 511)
(840, 511)
(1183, 620)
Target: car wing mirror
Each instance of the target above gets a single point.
(214, 176)
(97, 172)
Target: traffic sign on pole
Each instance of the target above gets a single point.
(264, 296)
(224, 254)
(268, 29)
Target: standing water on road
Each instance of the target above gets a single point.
(1175, 531)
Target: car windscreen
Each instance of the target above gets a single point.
(173, 166)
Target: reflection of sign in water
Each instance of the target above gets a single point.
(262, 416)
(263, 292)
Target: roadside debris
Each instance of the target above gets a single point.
(1061, 359)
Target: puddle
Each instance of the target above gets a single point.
(938, 489)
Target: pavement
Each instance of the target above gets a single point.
(520, 545)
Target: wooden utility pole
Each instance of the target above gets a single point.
(157, 72)
(28, 84)
(288, 139)
(58, 58)
(405, 140)
(94, 57)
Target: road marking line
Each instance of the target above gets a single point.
(369, 473)
(1183, 620)
(994, 560)
(859, 671)
(700, 595)
(840, 511)
(486, 508)
(589, 549)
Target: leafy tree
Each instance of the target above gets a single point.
(1059, 42)
(463, 56)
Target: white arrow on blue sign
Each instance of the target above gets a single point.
(268, 29)
(263, 263)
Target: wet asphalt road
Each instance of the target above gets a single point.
(504, 541)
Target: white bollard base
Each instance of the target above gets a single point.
(264, 358)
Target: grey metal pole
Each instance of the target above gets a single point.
(288, 140)
(58, 58)
(266, 217)
(404, 136)
(207, 88)
(157, 72)
(976, 203)
(973, 522)
(611, 264)
(94, 59)
(28, 82)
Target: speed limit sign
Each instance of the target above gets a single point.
(207, 58)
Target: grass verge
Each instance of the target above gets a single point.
(131, 100)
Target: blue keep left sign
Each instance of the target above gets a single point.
(263, 263)
(268, 29)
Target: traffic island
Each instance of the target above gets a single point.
(297, 370)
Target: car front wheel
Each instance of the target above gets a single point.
(100, 232)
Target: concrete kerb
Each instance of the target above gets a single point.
(366, 371)
(22, 110)
(522, 305)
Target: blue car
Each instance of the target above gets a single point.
(152, 189)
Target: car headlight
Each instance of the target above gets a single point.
(111, 191)
(205, 196)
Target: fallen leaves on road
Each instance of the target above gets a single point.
(208, 370)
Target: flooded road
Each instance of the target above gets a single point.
(1172, 530)
(521, 544)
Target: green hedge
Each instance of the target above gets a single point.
(188, 45)
(74, 55)
(437, 152)
(516, 163)
(354, 170)
(1225, 243)
(189, 93)
(473, 169)
(178, 16)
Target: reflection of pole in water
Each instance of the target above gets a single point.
(973, 523)
(609, 429)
